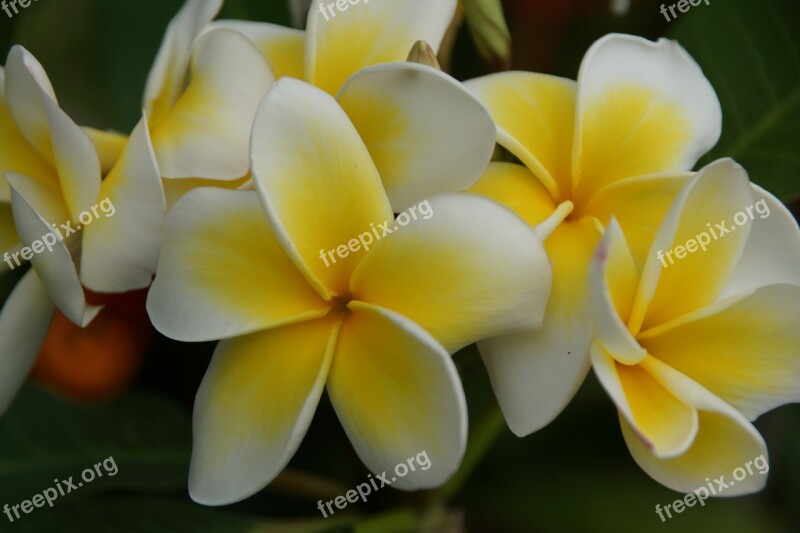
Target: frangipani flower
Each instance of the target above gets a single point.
(424, 131)
(691, 351)
(200, 100)
(375, 328)
(54, 175)
(201, 97)
(616, 142)
(18, 155)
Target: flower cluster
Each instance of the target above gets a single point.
(260, 146)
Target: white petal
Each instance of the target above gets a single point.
(536, 373)
(662, 420)
(206, 134)
(24, 321)
(120, 247)
(339, 43)
(387, 372)
(629, 85)
(46, 125)
(744, 349)
(712, 197)
(167, 78)
(254, 406)
(319, 186)
(464, 268)
(772, 252)
(725, 441)
(613, 278)
(222, 272)
(55, 267)
(426, 133)
(283, 47)
(25, 81)
(43, 197)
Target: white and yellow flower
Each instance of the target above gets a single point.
(424, 131)
(619, 141)
(200, 99)
(375, 328)
(53, 172)
(690, 353)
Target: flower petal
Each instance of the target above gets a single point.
(120, 249)
(174, 190)
(643, 108)
(639, 204)
(386, 32)
(425, 132)
(743, 349)
(517, 188)
(536, 373)
(223, 273)
(772, 252)
(284, 48)
(725, 441)
(24, 321)
(71, 149)
(16, 155)
(385, 373)
(254, 407)
(206, 134)
(666, 423)
(43, 198)
(613, 279)
(316, 179)
(108, 144)
(54, 267)
(711, 198)
(77, 161)
(167, 78)
(469, 270)
(25, 83)
(535, 116)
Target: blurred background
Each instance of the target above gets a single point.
(119, 389)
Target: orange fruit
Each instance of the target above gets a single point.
(102, 359)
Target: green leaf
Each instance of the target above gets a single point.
(43, 439)
(750, 51)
